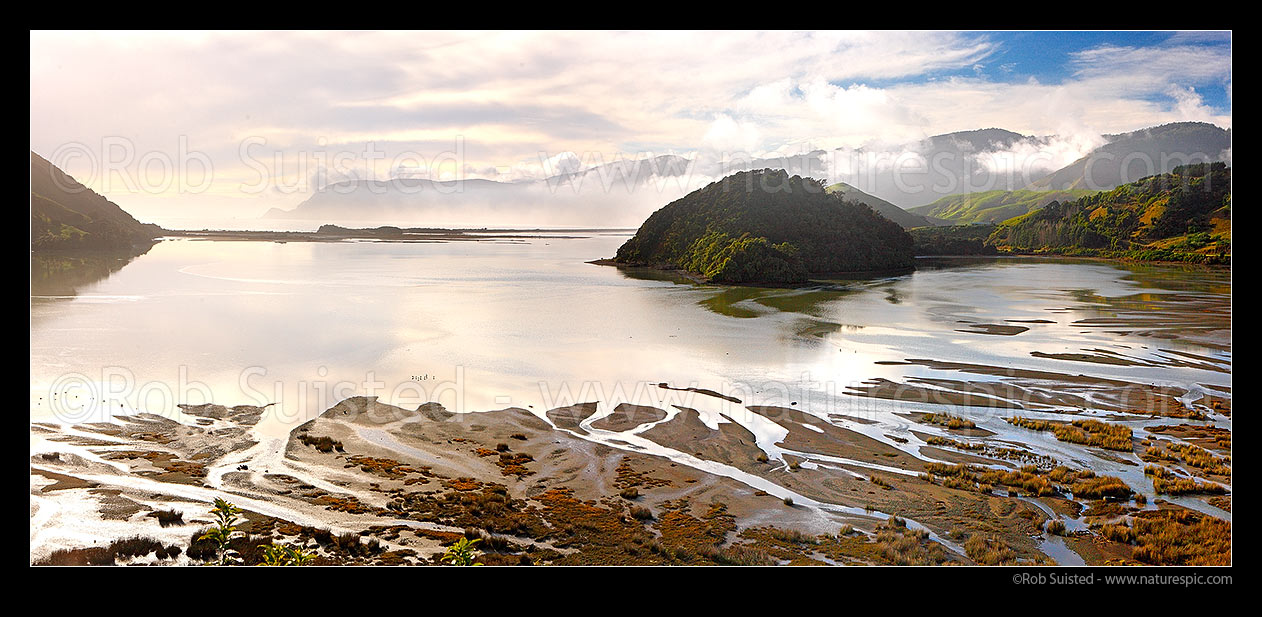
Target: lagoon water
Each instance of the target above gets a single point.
(527, 322)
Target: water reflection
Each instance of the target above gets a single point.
(63, 275)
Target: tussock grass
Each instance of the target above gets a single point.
(123, 548)
(989, 551)
(324, 444)
(948, 420)
(1031, 480)
(1175, 537)
(168, 518)
(1166, 482)
(641, 513)
(1085, 432)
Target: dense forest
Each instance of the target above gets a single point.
(953, 240)
(1184, 215)
(766, 226)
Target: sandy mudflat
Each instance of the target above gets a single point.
(543, 489)
(627, 416)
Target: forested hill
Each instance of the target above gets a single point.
(67, 215)
(766, 226)
(1184, 215)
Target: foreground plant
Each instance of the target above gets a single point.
(462, 553)
(224, 531)
(285, 555)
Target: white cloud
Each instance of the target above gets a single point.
(1189, 105)
(726, 134)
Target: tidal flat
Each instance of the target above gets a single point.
(981, 411)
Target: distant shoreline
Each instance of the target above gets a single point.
(334, 233)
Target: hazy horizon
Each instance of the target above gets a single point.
(189, 126)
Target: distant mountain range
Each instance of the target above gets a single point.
(614, 194)
(1147, 152)
(919, 173)
(968, 162)
(942, 179)
(67, 215)
(906, 219)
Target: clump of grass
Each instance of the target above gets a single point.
(948, 420)
(1108, 509)
(630, 493)
(762, 457)
(1180, 537)
(1055, 527)
(489, 542)
(989, 551)
(167, 518)
(737, 555)
(788, 501)
(1118, 533)
(501, 447)
(795, 465)
(324, 444)
(641, 513)
(123, 548)
(1031, 480)
(881, 483)
(1166, 482)
(1085, 432)
(791, 536)
(907, 547)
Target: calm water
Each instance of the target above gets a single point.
(487, 325)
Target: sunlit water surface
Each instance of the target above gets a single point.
(527, 322)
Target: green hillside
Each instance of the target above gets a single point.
(905, 219)
(767, 227)
(993, 206)
(1184, 215)
(68, 215)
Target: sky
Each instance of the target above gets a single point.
(230, 124)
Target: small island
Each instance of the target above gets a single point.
(767, 227)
